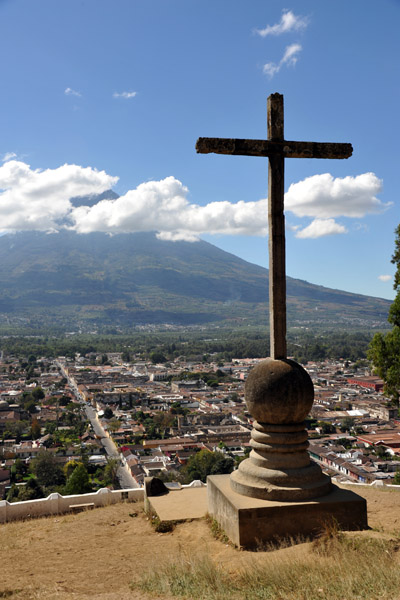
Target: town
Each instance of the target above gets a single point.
(110, 420)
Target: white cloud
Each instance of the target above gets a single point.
(70, 92)
(124, 95)
(289, 22)
(8, 156)
(38, 200)
(290, 55)
(271, 69)
(324, 197)
(41, 199)
(162, 206)
(385, 277)
(169, 236)
(321, 228)
(363, 227)
(289, 59)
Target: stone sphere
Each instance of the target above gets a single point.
(279, 392)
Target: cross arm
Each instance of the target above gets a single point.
(267, 148)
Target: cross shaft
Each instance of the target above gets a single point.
(276, 148)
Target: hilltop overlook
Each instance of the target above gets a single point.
(106, 552)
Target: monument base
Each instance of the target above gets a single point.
(249, 521)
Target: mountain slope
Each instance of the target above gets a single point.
(130, 279)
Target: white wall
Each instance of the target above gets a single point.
(55, 503)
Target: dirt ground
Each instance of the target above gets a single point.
(99, 553)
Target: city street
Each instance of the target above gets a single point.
(125, 479)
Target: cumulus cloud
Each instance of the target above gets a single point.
(41, 200)
(324, 197)
(321, 228)
(162, 206)
(289, 22)
(37, 200)
(289, 59)
(125, 95)
(70, 92)
(385, 277)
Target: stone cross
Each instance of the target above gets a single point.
(276, 148)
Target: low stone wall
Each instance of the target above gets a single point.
(375, 484)
(56, 504)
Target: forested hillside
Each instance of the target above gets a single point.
(89, 281)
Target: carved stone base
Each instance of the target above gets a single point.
(279, 466)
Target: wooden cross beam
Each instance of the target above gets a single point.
(276, 148)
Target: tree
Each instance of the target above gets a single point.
(347, 424)
(114, 425)
(382, 452)
(104, 359)
(13, 493)
(15, 430)
(326, 427)
(69, 468)
(126, 357)
(31, 491)
(384, 350)
(163, 420)
(108, 413)
(38, 393)
(18, 470)
(111, 472)
(30, 406)
(157, 358)
(396, 479)
(35, 429)
(205, 463)
(78, 482)
(234, 397)
(48, 472)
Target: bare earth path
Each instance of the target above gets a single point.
(97, 554)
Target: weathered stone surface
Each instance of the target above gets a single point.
(250, 521)
(286, 485)
(279, 392)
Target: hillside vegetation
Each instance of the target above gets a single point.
(96, 280)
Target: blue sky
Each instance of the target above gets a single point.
(101, 93)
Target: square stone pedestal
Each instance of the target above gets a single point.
(248, 521)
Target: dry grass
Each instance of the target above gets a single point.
(338, 567)
(102, 554)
